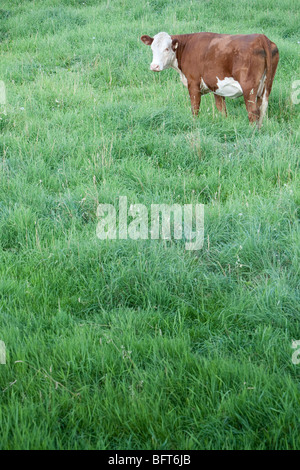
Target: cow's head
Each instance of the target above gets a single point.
(164, 51)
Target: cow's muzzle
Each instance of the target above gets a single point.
(155, 68)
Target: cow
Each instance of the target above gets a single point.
(227, 65)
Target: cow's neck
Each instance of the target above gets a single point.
(179, 50)
(179, 53)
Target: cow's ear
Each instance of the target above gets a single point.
(175, 44)
(147, 40)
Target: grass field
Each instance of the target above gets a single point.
(124, 344)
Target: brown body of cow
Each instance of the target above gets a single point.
(227, 65)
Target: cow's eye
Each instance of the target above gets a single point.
(167, 50)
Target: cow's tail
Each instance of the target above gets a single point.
(268, 52)
(268, 81)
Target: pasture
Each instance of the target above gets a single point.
(124, 344)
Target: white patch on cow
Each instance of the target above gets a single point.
(263, 109)
(228, 88)
(182, 76)
(261, 84)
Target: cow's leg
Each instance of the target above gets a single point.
(263, 108)
(220, 104)
(262, 105)
(251, 104)
(194, 91)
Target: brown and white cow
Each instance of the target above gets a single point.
(227, 65)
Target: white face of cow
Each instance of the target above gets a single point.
(164, 51)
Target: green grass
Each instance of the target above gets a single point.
(141, 344)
